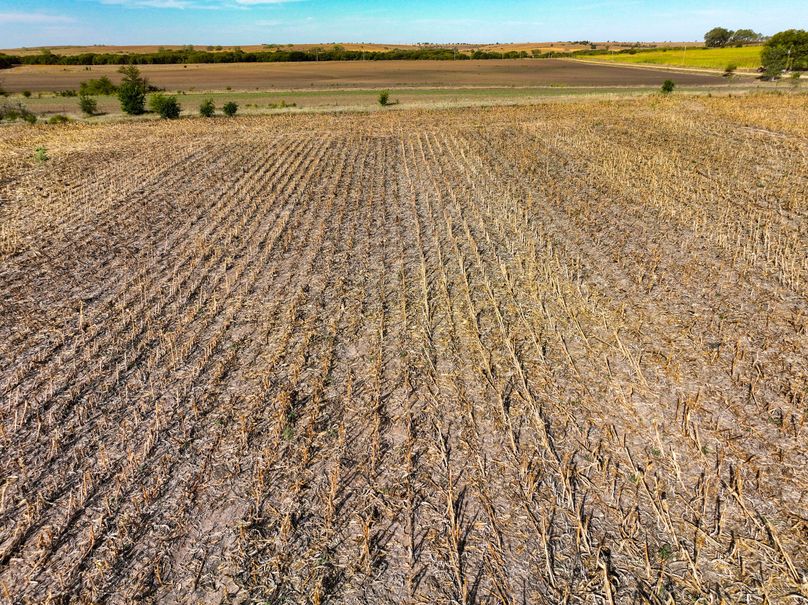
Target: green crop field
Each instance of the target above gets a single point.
(717, 58)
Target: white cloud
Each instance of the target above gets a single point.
(34, 18)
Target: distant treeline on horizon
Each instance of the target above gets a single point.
(181, 56)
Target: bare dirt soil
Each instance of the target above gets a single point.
(358, 74)
(549, 354)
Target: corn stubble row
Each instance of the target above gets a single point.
(550, 354)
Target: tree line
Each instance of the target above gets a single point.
(184, 56)
(719, 37)
(190, 55)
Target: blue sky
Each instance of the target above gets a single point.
(55, 22)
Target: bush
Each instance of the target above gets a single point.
(667, 87)
(729, 70)
(774, 69)
(88, 105)
(66, 93)
(101, 86)
(207, 108)
(166, 106)
(59, 119)
(230, 108)
(15, 111)
(26, 94)
(282, 105)
(132, 91)
(384, 98)
(41, 154)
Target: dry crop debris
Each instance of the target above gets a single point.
(517, 355)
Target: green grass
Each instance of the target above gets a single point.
(262, 102)
(745, 57)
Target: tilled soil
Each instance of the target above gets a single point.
(359, 74)
(516, 355)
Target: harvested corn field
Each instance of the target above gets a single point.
(549, 354)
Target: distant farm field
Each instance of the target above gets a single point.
(546, 354)
(138, 49)
(354, 74)
(746, 57)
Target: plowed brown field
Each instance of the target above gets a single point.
(549, 354)
(360, 74)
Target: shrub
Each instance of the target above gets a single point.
(207, 108)
(87, 105)
(14, 111)
(729, 70)
(384, 98)
(66, 93)
(101, 86)
(667, 87)
(774, 69)
(59, 119)
(282, 105)
(132, 91)
(166, 106)
(29, 117)
(26, 94)
(41, 154)
(230, 108)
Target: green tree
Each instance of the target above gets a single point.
(132, 91)
(744, 36)
(786, 50)
(384, 98)
(88, 105)
(101, 86)
(667, 87)
(166, 106)
(717, 37)
(230, 108)
(207, 108)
